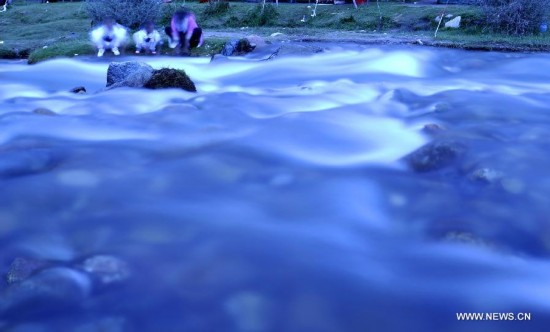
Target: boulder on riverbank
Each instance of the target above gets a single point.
(238, 47)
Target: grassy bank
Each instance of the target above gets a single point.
(42, 31)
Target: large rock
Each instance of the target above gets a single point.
(167, 78)
(128, 74)
(135, 74)
(435, 156)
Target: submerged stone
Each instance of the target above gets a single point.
(22, 268)
(52, 290)
(166, 78)
(107, 269)
(107, 324)
(249, 310)
(467, 239)
(433, 129)
(486, 175)
(43, 111)
(78, 90)
(25, 162)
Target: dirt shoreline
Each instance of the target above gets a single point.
(305, 44)
(362, 38)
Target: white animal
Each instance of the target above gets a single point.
(109, 36)
(147, 41)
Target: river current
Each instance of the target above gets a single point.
(278, 197)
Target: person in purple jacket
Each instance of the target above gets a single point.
(184, 32)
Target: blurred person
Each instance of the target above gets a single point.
(147, 39)
(184, 32)
(108, 36)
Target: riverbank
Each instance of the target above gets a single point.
(43, 31)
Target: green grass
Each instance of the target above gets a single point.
(61, 49)
(394, 16)
(485, 41)
(43, 31)
(30, 27)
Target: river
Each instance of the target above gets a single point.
(279, 197)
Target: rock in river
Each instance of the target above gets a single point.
(486, 175)
(170, 78)
(44, 111)
(435, 156)
(79, 90)
(128, 74)
(22, 268)
(140, 75)
(52, 290)
(433, 129)
(107, 269)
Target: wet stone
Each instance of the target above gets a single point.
(22, 268)
(435, 156)
(107, 269)
(126, 73)
(51, 290)
(433, 129)
(44, 111)
(24, 162)
(465, 238)
(486, 175)
(442, 107)
(79, 90)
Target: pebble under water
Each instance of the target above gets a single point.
(359, 189)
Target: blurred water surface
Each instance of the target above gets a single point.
(277, 198)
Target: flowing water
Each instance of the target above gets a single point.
(277, 198)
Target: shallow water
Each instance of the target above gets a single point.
(278, 198)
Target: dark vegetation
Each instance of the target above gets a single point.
(130, 13)
(514, 17)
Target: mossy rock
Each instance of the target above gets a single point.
(167, 78)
